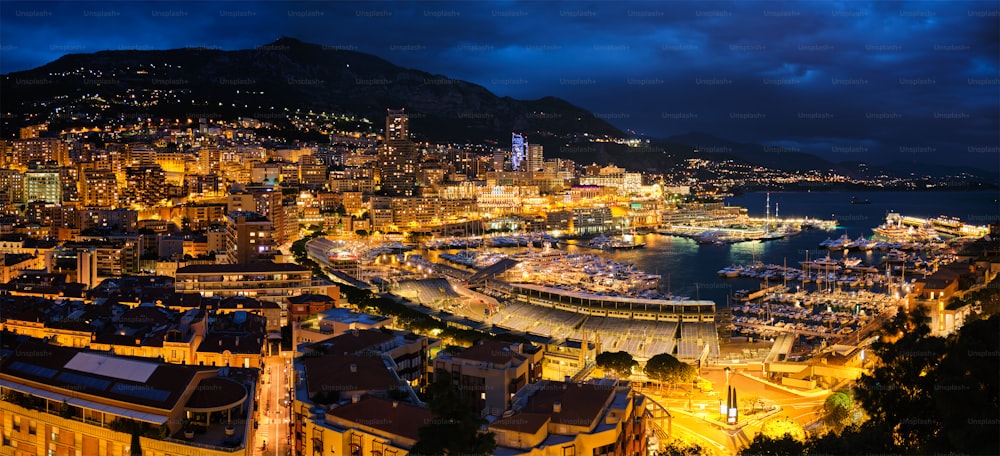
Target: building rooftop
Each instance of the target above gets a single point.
(579, 404)
(351, 341)
(216, 393)
(528, 423)
(389, 417)
(310, 298)
(339, 373)
(11, 259)
(129, 380)
(143, 316)
(491, 351)
(186, 300)
(246, 343)
(347, 316)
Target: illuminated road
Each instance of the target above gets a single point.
(272, 414)
(691, 410)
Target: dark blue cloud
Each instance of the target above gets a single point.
(902, 80)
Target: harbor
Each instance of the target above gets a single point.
(731, 224)
(820, 292)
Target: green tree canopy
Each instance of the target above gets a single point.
(677, 447)
(621, 363)
(899, 394)
(665, 368)
(837, 411)
(781, 427)
(455, 428)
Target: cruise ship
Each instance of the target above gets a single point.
(899, 228)
(915, 229)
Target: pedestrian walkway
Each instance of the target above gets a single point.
(815, 392)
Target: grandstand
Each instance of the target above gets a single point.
(641, 338)
(436, 291)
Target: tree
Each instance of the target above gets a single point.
(783, 427)
(863, 439)
(837, 411)
(898, 394)
(750, 403)
(621, 363)
(967, 391)
(763, 445)
(455, 427)
(664, 368)
(677, 447)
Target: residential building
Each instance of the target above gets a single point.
(368, 425)
(65, 401)
(249, 238)
(303, 307)
(535, 159)
(406, 353)
(11, 186)
(43, 185)
(269, 311)
(334, 322)
(562, 418)
(398, 157)
(234, 339)
(491, 372)
(273, 282)
(99, 188)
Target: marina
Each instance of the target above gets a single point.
(590, 290)
(831, 316)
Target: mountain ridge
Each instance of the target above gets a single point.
(272, 80)
(293, 74)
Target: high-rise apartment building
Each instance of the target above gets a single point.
(397, 126)
(21, 152)
(249, 238)
(535, 161)
(43, 185)
(11, 186)
(517, 151)
(145, 185)
(398, 156)
(99, 188)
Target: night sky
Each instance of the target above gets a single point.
(867, 81)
